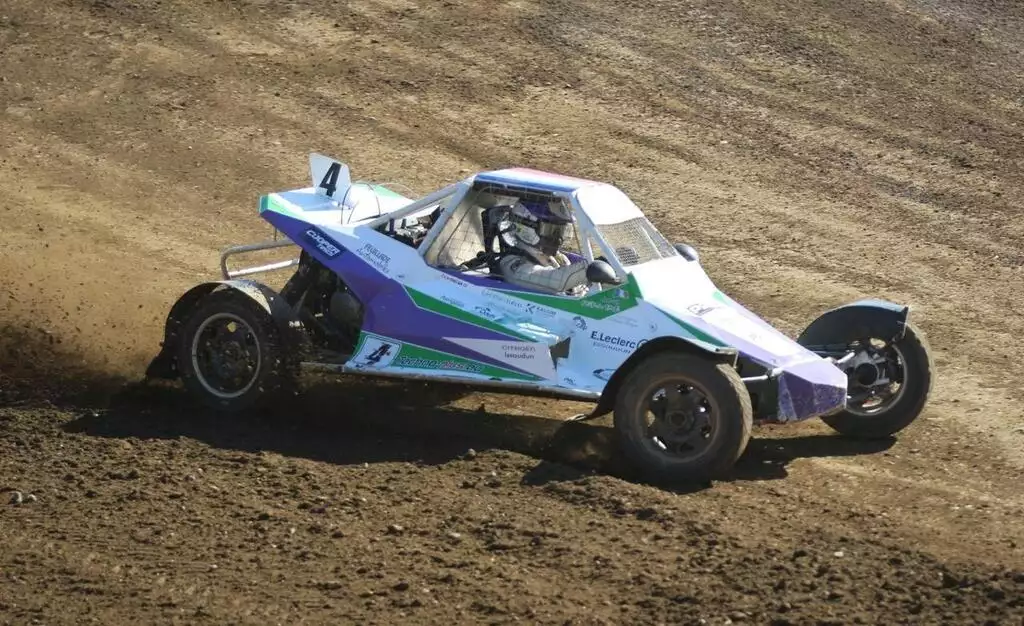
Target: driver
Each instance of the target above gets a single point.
(534, 259)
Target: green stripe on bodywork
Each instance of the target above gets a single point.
(361, 341)
(414, 356)
(440, 307)
(697, 333)
(721, 297)
(418, 357)
(602, 304)
(270, 203)
(384, 192)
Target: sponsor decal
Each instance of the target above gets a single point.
(486, 313)
(701, 309)
(598, 306)
(461, 313)
(421, 363)
(323, 242)
(609, 307)
(452, 301)
(625, 320)
(615, 342)
(412, 356)
(515, 304)
(569, 381)
(580, 322)
(516, 351)
(542, 312)
(455, 281)
(374, 357)
(376, 352)
(534, 358)
(372, 255)
(604, 374)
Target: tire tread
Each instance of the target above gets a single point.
(720, 379)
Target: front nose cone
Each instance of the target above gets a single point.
(810, 389)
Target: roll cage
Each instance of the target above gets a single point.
(460, 236)
(460, 232)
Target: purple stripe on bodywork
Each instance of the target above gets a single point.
(809, 385)
(388, 309)
(808, 389)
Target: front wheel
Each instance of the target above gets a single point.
(230, 352)
(681, 417)
(889, 384)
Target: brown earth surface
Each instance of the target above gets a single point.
(815, 152)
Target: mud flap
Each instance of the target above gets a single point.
(164, 365)
(863, 318)
(764, 398)
(828, 335)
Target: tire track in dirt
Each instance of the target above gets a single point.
(270, 505)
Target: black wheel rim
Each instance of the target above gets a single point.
(679, 420)
(876, 377)
(226, 355)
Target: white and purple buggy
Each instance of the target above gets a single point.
(386, 285)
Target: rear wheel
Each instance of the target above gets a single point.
(230, 352)
(682, 417)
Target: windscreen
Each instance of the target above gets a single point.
(623, 225)
(636, 241)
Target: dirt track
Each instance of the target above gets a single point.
(814, 152)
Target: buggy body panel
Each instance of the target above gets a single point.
(425, 314)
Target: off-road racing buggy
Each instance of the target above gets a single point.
(386, 285)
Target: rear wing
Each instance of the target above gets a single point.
(332, 199)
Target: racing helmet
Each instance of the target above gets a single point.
(542, 225)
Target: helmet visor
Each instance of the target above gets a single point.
(549, 230)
